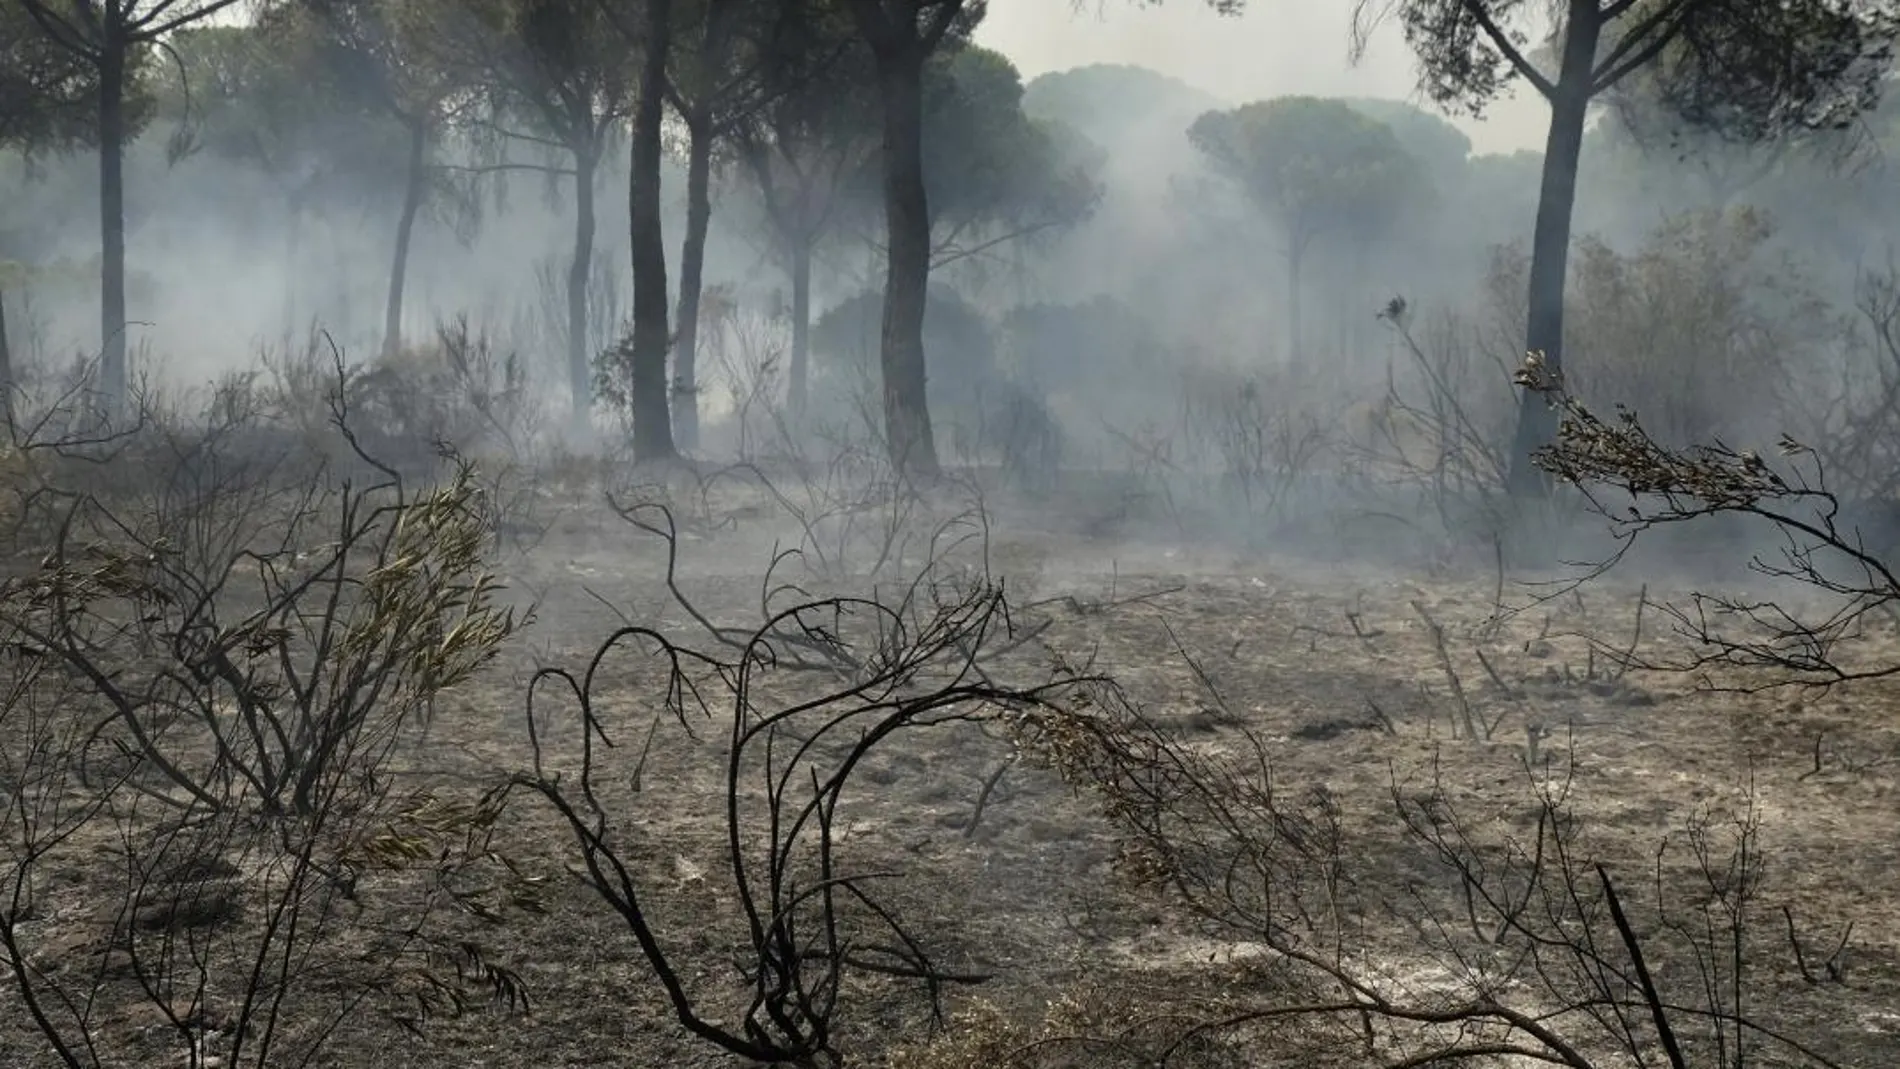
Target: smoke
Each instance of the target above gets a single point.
(1152, 334)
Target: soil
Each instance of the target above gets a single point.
(1344, 673)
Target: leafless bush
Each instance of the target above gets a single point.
(62, 454)
(459, 394)
(208, 687)
(457, 391)
(541, 324)
(1005, 424)
(1148, 475)
(53, 401)
(1506, 936)
(860, 516)
(34, 332)
(852, 512)
(921, 660)
(1443, 428)
(1256, 434)
(613, 377)
(856, 513)
(1851, 416)
(1696, 324)
(962, 542)
(1824, 552)
(748, 352)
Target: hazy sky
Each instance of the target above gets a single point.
(1277, 47)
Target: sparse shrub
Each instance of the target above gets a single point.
(540, 324)
(1255, 434)
(457, 391)
(1822, 546)
(1464, 936)
(1089, 360)
(1705, 328)
(748, 352)
(1029, 439)
(807, 693)
(209, 680)
(1442, 432)
(1848, 409)
(959, 344)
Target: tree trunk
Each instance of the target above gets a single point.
(113, 373)
(579, 349)
(1295, 267)
(801, 327)
(913, 449)
(405, 229)
(6, 374)
(692, 273)
(293, 248)
(1550, 245)
(652, 431)
(1357, 324)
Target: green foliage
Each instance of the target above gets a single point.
(1103, 101)
(1096, 342)
(1750, 71)
(1317, 166)
(382, 55)
(1461, 66)
(429, 606)
(1440, 146)
(1737, 67)
(1089, 358)
(49, 95)
(813, 134)
(268, 96)
(987, 163)
(556, 69)
(991, 171)
(958, 343)
(46, 92)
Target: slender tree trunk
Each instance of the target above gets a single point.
(1550, 245)
(579, 348)
(113, 373)
(652, 431)
(798, 238)
(405, 229)
(1353, 339)
(1295, 267)
(692, 279)
(801, 326)
(293, 247)
(6, 373)
(907, 270)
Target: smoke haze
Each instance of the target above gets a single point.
(1266, 51)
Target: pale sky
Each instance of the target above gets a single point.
(1277, 47)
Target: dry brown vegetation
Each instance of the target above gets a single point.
(320, 746)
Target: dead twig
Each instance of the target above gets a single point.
(1465, 716)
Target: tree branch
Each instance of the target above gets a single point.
(1481, 15)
